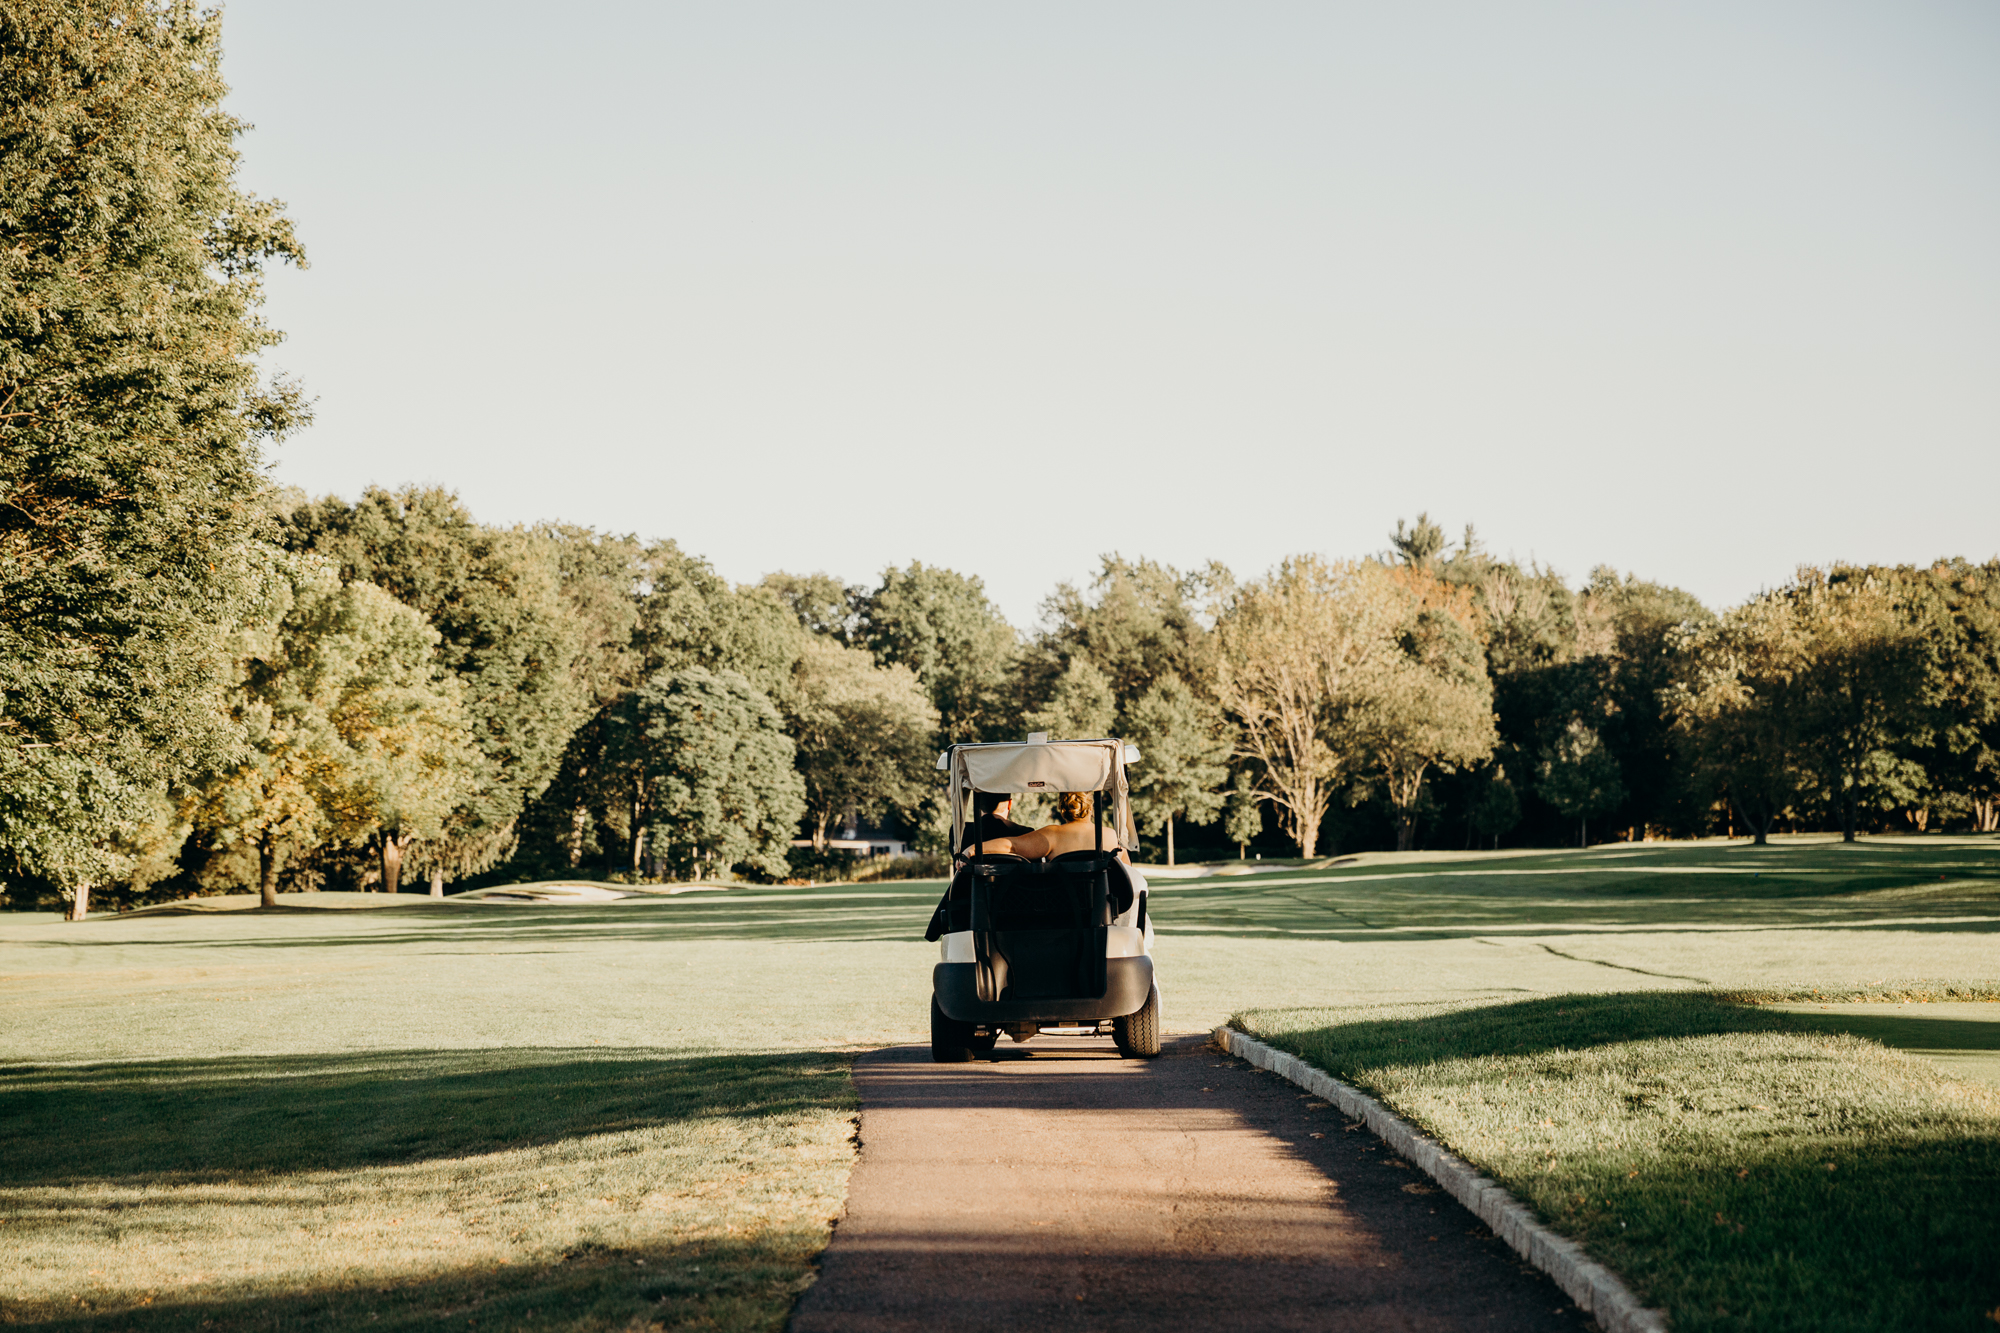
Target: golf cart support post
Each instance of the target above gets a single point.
(1032, 944)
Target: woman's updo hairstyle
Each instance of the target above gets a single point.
(1072, 806)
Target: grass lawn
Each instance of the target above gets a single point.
(639, 1113)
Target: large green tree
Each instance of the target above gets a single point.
(1429, 704)
(941, 625)
(1580, 777)
(1866, 689)
(715, 784)
(352, 728)
(1298, 653)
(130, 415)
(863, 734)
(1184, 759)
(1137, 625)
(514, 640)
(674, 613)
(1739, 712)
(1957, 605)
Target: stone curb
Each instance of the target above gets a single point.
(1590, 1284)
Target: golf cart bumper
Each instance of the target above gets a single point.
(1127, 982)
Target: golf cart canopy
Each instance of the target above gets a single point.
(1039, 764)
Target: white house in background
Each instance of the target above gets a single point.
(862, 839)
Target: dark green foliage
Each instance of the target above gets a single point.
(1137, 627)
(825, 606)
(711, 771)
(129, 415)
(940, 625)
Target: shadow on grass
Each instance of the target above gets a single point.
(190, 1120)
(1744, 1170)
(714, 1285)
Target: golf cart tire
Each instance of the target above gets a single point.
(1139, 1034)
(951, 1040)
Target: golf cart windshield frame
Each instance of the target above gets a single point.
(1041, 765)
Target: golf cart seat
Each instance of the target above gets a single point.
(1031, 894)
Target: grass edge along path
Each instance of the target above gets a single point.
(1738, 1170)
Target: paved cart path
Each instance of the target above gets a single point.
(1058, 1186)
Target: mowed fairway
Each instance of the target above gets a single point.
(582, 1116)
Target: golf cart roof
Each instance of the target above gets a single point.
(1039, 764)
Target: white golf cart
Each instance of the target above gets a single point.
(1059, 947)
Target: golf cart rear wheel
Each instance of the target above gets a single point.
(951, 1040)
(1139, 1034)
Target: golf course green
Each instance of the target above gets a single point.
(577, 1116)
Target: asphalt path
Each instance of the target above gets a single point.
(1059, 1186)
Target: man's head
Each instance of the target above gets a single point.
(992, 803)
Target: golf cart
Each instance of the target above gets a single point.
(1059, 946)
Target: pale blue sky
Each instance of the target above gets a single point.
(1697, 290)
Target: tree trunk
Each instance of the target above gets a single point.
(267, 870)
(1583, 830)
(1847, 819)
(819, 830)
(392, 861)
(437, 881)
(1170, 839)
(1985, 816)
(638, 827)
(79, 903)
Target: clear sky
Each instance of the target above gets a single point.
(1697, 290)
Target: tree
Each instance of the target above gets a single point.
(863, 734)
(679, 615)
(130, 416)
(1639, 663)
(940, 625)
(1579, 777)
(1080, 706)
(351, 727)
(1737, 710)
(1495, 808)
(511, 636)
(824, 605)
(1184, 754)
(1863, 689)
(1956, 604)
(1295, 653)
(1420, 547)
(1246, 813)
(714, 776)
(1430, 705)
(1137, 626)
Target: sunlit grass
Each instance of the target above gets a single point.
(584, 1116)
(1741, 1172)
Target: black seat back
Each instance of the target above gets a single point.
(1038, 927)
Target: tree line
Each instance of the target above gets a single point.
(209, 682)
